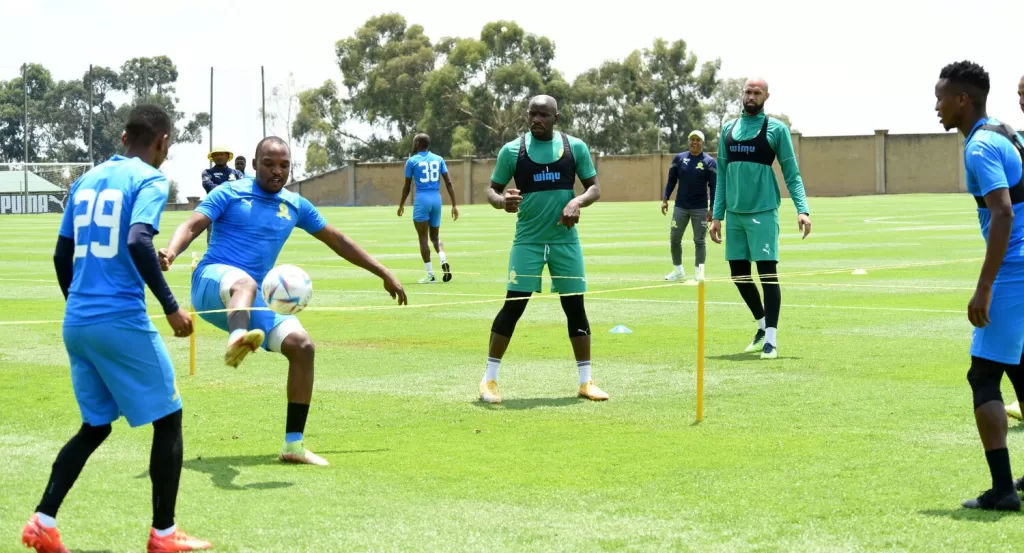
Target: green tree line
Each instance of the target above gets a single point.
(470, 95)
(58, 110)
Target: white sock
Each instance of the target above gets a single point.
(235, 335)
(166, 532)
(492, 369)
(442, 256)
(679, 268)
(584, 367)
(430, 267)
(760, 323)
(46, 520)
(769, 336)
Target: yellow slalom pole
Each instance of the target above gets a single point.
(700, 346)
(192, 313)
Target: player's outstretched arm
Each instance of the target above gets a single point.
(183, 237)
(351, 252)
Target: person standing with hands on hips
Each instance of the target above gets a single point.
(696, 173)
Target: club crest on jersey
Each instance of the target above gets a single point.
(282, 211)
(700, 165)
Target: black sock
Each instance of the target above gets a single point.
(766, 271)
(165, 461)
(296, 422)
(748, 290)
(68, 466)
(999, 466)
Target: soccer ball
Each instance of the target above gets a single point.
(287, 289)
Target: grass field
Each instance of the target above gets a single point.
(859, 438)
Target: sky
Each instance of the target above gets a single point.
(836, 68)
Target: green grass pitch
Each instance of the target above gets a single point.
(859, 438)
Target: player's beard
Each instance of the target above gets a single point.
(753, 108)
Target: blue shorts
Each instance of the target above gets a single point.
(119, 368)
(211, 289)
(427, 206)
(1002, 340)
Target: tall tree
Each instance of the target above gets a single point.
(284, 107)
(678, 90)
(58, 111)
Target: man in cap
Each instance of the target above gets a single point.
(220, 172)
(697, 173)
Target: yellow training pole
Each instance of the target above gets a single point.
(192, 312)
(700, 347)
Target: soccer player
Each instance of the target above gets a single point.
(119, 365)
(544, 166)
(428, 168)
(992, 159)
(748, 192)
(253, 219)
(1013, 410)
(694, 170)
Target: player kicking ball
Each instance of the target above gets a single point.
(119, 365)
(254, 218)
(428, 168)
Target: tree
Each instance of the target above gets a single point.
(726, 103)
(58, 111)
(172, 192)
(470, 94)
(284, 101)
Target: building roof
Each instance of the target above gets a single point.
(13, 182)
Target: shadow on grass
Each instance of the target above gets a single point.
(751, 357)
(531, 403)
(970, 515)
(224, 470)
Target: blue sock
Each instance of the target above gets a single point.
(292, 437)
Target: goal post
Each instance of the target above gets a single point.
(37, 187)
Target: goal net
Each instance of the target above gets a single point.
(37, 187)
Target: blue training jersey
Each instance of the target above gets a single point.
(425, 169)
(252, 225)
(103, 204)
(992, 162)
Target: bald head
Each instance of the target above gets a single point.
(421, 142)
(272, 164)
(757, 81)
(755, 94)
(544, 100)
(543, 114)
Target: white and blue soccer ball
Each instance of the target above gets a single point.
(287, 289)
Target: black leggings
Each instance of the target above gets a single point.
(767, 273)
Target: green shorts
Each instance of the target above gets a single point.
(565, 265)
(752, 236)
